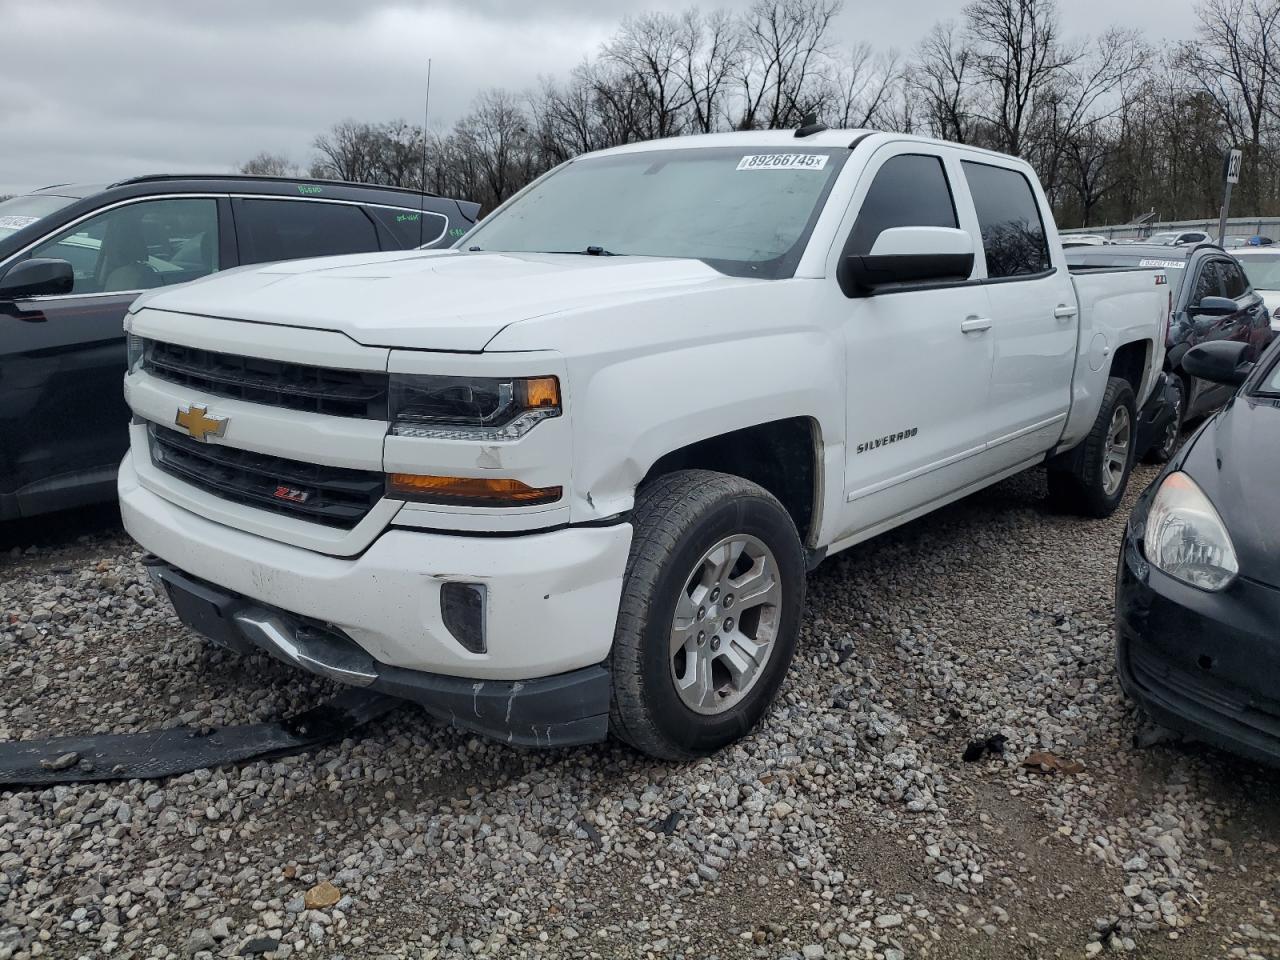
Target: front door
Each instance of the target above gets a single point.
(63, 419)
(918, 360)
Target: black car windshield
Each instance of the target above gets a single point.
(1263, 270)
(19, 212)
(744, 211)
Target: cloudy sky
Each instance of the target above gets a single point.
(94, 90)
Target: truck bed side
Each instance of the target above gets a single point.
(1123, 312)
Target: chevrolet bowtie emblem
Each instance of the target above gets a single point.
(198, 423)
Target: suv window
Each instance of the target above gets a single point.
(1013, 234)
(138, 246)
(271, 230)
(909, 190)
(1233, 279)
(1208, 282)
(411, 228)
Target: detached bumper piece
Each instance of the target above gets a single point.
(165, 753)
(558, 711)
(1204, 664)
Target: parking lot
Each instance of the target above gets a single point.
(847, 825)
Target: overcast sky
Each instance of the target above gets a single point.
(96, 90)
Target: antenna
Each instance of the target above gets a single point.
(422, 187)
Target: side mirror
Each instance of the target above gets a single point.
(909, 255)
(1215, 307)
(1221, 361)
(37, 278)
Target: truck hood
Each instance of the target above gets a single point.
(437, 300)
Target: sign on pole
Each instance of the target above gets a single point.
(1230, 175)
(1233, 166)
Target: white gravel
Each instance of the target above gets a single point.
(846, 826)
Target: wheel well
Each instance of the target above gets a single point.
(1130, 363)
(779, 456)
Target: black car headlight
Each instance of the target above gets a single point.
(1186, 538)
(471, 408)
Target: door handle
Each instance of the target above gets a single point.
(975, 325)
(1064, 312)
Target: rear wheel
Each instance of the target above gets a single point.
(1163, 451)
(709, 614)
(1091, 479)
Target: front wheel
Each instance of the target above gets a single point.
(1091, 479)
(710, 610)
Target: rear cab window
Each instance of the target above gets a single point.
(1013, 231)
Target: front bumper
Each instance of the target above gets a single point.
(565, 710)
(1205, 664)
(552, 598)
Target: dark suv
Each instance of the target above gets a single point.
(73, 258)
(1210, 300)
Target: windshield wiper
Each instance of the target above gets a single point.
(589, 252)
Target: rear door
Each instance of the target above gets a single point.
(1220, 276)
(1033, 310)
(918, 359)
(63, 419)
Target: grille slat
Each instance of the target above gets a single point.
(293, 386)
(333, 496)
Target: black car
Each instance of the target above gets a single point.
(1210, 299)
(1198, 588)
(72, 260)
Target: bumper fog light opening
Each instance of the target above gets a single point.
(462, 606)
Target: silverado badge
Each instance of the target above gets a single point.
(195, 418)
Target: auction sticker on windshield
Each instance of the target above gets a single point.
(17, 223)
(783, 161)
(1175, 264)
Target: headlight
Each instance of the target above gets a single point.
(1185, 537)
(471, 408)
(137, 350)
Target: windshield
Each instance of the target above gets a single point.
(20, 212)
(743, 211)
(1263, 271)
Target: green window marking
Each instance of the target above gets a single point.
(308, 191)
(457, 232)
(402, 217)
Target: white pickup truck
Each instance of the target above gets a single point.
(566, 479)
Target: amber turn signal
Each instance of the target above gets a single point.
(541, 392)
(469, 491)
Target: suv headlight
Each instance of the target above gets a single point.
(471, 408)
(1186, 538)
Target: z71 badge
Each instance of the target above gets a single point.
(885, 441)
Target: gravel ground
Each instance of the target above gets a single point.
(847, 825)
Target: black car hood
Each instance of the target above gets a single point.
(1235, 459)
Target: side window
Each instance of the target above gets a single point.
(1233, 279)
(910, 190)
(152, 243)
(411, 228)
(271, 230)
(1013, 234)
(1208, 282)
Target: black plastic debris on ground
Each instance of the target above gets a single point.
(163, 753)
(977, 749)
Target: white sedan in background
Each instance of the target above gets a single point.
(1262, 267)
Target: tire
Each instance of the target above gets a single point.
(1091, 479)
(1163, 452)
(680, 522)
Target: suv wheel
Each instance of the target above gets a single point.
(1091, 479)
(1163, 451)
(709, 615)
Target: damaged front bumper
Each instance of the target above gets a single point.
(566, 709)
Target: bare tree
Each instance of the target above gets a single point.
(710, 54)
(943, 75)
(862, 88)
(1017, 56)
(648, 51)
(349, 151)
(264, 164)
(785, 50)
